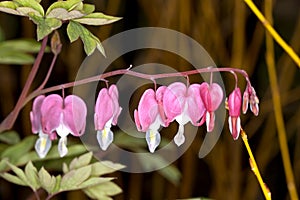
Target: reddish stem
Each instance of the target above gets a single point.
(8, 122)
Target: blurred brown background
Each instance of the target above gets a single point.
(234, 37)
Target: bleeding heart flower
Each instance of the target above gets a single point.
(43, 144)
(107, 111)
(183, 105)
(234, 106)
(150, 116)
(52, 116)
(63, 116)
(212, 96)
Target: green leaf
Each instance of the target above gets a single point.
(13, 179)
(45, 25)
(22, 45)
(94, 181)
(65, 168)
(16, 58)
(32, 176)
(19, 172)
(10, 137)
(34, 5)
(91, 42)
(57, 185)
(9, 7)
(47, 181)
(63, 14)
(67, 5)
(97, 19)
(103, 191)
(105, 167)
(53, 154)
(88, 8)
(73, 178)
(171, 173)
(15, 152)
(81, 161)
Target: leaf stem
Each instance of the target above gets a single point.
(254, 167)
(273, 32)
(8, 122)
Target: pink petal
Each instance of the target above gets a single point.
(245, 101)
(174, 100)
(235, 102)
(114, 93)
(147, 110)
(35, 114)
(196, 107)
(212, 95)
(234, 126)
(51, 111)
(104, 109)
(159, 98)
(75, 112)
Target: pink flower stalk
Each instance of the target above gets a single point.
(107, 111)
(150, 116)
(212, 96)
(234, 106)
(183, 105)
(52, 116)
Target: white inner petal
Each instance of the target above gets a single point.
(62, 130)
(105, 138)
(179, 137)
(153, 139)
(62, 146)
(43, 145)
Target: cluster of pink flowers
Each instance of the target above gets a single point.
(195, 103)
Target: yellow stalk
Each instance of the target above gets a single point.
(273, 32)
(270, 60)
(254, 167)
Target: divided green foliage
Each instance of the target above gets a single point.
(72, 11)
(91, 42)
(79, 174)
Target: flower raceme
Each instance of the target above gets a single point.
(51, 116)
(107, 111)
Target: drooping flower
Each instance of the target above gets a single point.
(212, 96)
(250, 97)
(62, 117)
(150, 116)
(43, 144)
(107, 111)
(183, 105)
(234, 106)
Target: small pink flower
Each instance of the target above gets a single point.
(150, 116)
(234, 106)
(52, 116)
(212, 96)
(249, 97)
(107, 111)
(183, 105)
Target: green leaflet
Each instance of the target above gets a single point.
(68, 5)
(91, 42)
(32, 176)
(45, 25)
(10, 137)
(97, 19)
(34, 5)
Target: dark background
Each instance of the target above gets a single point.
(233, 36)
